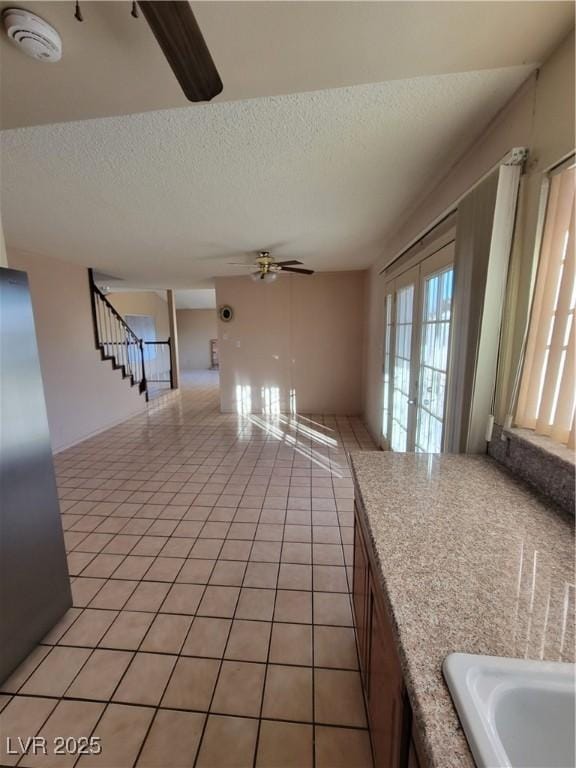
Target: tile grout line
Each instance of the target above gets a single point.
(257, 743)
(217, 679)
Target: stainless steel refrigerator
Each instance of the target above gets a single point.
(34, 581)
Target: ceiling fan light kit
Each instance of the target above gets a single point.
(264, 277)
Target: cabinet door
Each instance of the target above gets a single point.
(413, 761)
(385, 693)
(360, 599)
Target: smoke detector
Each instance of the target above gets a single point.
(33, 36)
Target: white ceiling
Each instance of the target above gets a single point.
(201, 298)
(168, 198)
(112, 64)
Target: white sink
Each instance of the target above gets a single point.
(515, 713)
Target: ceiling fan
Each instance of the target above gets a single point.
(184, 47)
(268, 269)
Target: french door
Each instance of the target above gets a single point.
(418, 314)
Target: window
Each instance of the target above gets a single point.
(546, 397)
(435, 334)
(401, 394)
(418, 314)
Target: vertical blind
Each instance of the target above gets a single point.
(547, 390)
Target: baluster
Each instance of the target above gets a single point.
(114, 347)
(136, 357)
(110, 344)
(118, 345)
(126, 349)
(110, 324)
(131, 355)
(103, 328)
(99, 319)
(132, 358)
(143, 377)
(106, 330)
(123, 357)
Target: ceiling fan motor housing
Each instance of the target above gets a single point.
(33, 36)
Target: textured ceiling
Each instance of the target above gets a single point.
(112, 64)
(168, 198)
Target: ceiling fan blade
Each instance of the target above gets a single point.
(288, 263)
(183, 45)
(299, 271)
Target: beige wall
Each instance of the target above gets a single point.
(143, 303)
(541, 118)
(300, 335)
(196, 327)
(83, 394)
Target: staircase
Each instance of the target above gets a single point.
(116, 341)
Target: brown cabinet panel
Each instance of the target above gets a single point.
(413, 761)
(388, 707)
(385, 692)
(360, 600)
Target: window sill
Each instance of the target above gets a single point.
(541, 442)
(539, 461)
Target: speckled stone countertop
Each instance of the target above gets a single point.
(470, 560)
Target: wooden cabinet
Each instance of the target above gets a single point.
(413, 761)
(387, 703)
(386, 699)
(361, 586)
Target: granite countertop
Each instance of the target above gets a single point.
(470, 560)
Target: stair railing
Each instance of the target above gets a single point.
(115, 339)
(158, 362)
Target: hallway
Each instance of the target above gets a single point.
(211, 560)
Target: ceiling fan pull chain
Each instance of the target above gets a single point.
(134, 11)
(78, 13)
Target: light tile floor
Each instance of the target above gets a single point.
(210, 558)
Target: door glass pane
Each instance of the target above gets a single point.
(387, 365)
(437, 311)
(401, 378)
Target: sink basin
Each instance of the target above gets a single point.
(515, 713)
